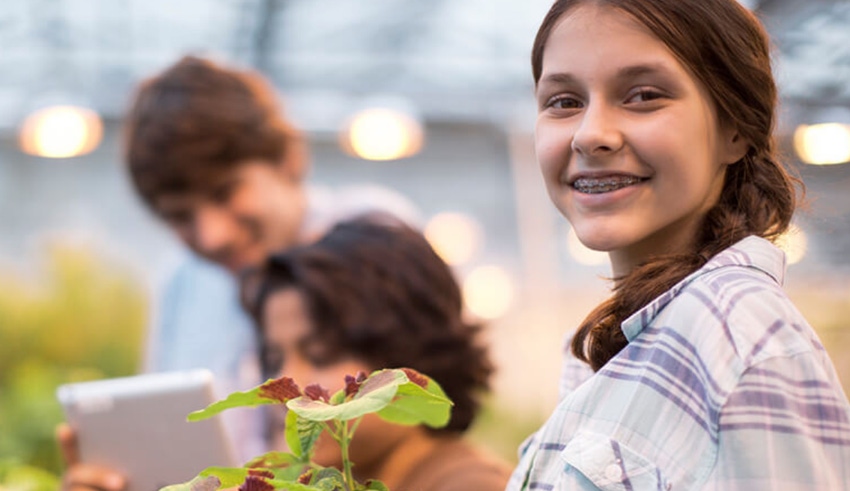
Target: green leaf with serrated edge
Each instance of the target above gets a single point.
(290, 433)
(328, 479)
(292, 485)
(375, 393)
(274, 459)
(301, 434)
(415, 405)
(330, 484)
(258, 396)
(285, 466)
(375, 485)
(249, 398)
(229, 476)
(199, 483)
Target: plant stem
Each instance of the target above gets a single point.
(344, 441)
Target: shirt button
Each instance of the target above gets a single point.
(613, 472)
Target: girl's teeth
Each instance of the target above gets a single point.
(604, 185)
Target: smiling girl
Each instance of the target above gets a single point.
(654, 138)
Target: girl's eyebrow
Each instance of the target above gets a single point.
(626, 72)
(559, 78)
(643, 69)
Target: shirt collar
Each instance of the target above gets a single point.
(751, 252)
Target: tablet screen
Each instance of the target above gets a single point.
(137, 425)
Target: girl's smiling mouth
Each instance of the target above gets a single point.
(605, 184)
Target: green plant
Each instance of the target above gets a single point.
(402, 396)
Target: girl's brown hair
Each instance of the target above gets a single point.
(726, 48)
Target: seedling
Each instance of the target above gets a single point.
(402, 396)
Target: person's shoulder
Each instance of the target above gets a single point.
(193, 276)
(743, 296)
(461, 465)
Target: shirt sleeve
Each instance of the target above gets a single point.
(162, 324)
(784, 426)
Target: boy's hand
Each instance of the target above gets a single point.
(80, 476)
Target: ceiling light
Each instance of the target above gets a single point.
(454, 236)
(823, 144)
(386, 128)
(488, 292)
(61, 132)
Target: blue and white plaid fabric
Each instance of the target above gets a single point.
(723, 386)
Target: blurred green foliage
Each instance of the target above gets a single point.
(17, 477)
(82, 318)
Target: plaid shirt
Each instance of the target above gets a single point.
(723, 386)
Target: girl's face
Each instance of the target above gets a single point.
(629, 142)
(287, 323)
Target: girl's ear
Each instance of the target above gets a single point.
(735, 146)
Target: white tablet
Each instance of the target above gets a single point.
(137, 425)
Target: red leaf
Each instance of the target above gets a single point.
(416, 377)
(317, 392)
(261, 473)
(351, 386)
(281, 389)
(254, 483)
(305, 478)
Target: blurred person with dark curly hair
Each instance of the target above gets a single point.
(373, 294)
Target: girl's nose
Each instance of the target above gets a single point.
(598, 132)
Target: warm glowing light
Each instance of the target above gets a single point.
(454, 236)
(61, 132)
(488, 292)
(384, 134)
(823, 144)
(581, 253)
(795, 244)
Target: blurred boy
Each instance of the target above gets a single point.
(210, 153)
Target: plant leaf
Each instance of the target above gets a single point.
(302, 434)
(414, 404)
(199, 483)
(284, 466)
(376, 392)
(329, 479)
(228, 477)
(274, 459)
(292, 485)
(273, 391)
(376, 485)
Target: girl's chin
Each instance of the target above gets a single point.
(597, 243)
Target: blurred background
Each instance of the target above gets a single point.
(446, 86)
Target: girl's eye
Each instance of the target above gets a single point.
(564, 102)
(645, 95)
